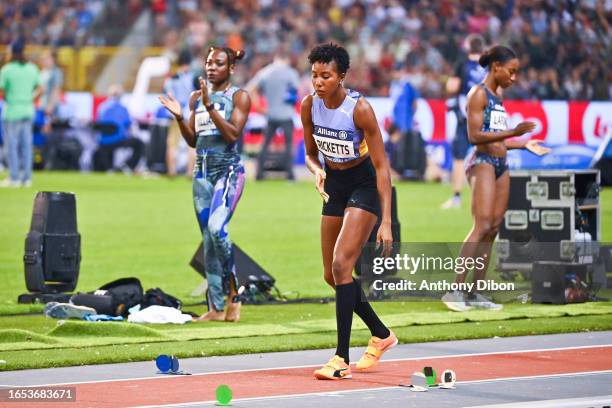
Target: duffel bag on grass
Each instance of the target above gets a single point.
(114, 298)
(158, 297)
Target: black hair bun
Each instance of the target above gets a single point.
(484, 59)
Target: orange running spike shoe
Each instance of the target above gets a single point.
(376, 348)
(335, 369)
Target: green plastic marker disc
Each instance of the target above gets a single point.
(224, 394)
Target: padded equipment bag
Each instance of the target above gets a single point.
(113, 298)
(158, 297)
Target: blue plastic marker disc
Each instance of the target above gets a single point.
(174, 364)
(164, 363)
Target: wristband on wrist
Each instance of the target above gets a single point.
(210, 106)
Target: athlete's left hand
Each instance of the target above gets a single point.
(204, 91)
(534, 147)
(385, 237)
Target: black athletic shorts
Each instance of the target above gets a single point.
(353, 187)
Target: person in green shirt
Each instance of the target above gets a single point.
(20, 85)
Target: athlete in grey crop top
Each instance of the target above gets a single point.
(355, 186)
(334, 131)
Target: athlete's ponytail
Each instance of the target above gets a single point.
(239, 54)
(499, 53)
(232, 55)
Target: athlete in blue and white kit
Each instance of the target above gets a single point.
(468, 73)
(355, 186)
(486, 168)
(219, 112)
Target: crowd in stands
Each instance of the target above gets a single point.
(55, 23)
(61, 23)
(565, 45)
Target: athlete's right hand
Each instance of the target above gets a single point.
(523, 127)
(320, 183)
(170, 103)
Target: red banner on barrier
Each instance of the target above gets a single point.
(557, 122)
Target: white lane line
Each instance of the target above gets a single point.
(491, 353)
(329, 393)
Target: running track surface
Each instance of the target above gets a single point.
(288, 381)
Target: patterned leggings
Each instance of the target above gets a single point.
(215, 198)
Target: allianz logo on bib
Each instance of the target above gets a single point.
(326, 132)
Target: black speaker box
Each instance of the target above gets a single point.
(247, 270)
(410, 157)
(275, 161)
(54, 213)
(156, 149)
(548, 214)
(395, 230)
(53, 246)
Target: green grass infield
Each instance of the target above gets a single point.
(146, 228)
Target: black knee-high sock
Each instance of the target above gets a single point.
(345, 303)
(367, 314)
